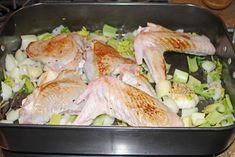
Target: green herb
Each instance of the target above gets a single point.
(65, 30)
(9, 81)
(28, 85)
(83, 32)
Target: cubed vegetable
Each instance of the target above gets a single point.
(214, 117)
(188, 112)
(187, 121)
(192, 64)
(163, 88)
(109, 31)
(55, 119)
(198, 118)
(180, 76)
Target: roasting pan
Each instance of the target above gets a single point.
(88, 140)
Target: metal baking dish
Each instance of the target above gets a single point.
(117, 140)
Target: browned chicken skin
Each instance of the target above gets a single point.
(59, 53)
(102, 59)
(54, 97)
(111, 96)
(152, 41)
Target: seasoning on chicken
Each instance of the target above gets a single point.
(59, 53)
(151, 42)
(53, 97)
(102, 59)
(111, 96)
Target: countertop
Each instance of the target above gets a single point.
(227, 14)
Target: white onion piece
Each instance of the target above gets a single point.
(188, 112)
(18, 86)
(108, 121)
(10, 62)
(12, 115)
(6, 91)
(24, 69)
(208, 66)
(20, 55)
(218, 89)
(28, 61)
(187, 101)
(169, 77)
(26, 40)
(34, 71)
(163, 88)
(15, 74)
(198, 118)
(57, 30)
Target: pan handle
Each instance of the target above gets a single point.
(5, 8)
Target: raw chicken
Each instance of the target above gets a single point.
(53, 97)
(59, 53)
(130, 74)
(102, 59)
(111, 96)
(151, 42)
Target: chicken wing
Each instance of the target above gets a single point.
(111, 96)
(59, 53)
(151, 42)
(102, 59)
(53, 97)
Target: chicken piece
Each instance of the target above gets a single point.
(151, 42)
(111, 96)
(59, 53)
(51, 98)
(102, 59)
(151, 27)
(130, 74)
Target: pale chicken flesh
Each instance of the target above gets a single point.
(54, 97)
(111, 96)
(151, 42)
(59, 53)
(130, 74)
(102, 59)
